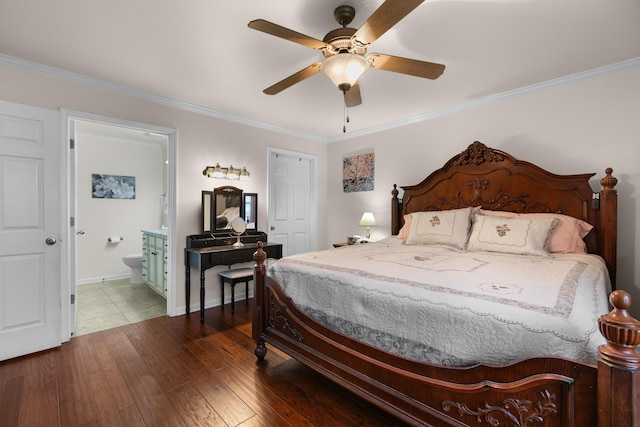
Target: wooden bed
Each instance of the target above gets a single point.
(539, 391)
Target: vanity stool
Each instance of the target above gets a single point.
(233, 276)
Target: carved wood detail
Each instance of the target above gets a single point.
(517, 412)
(279, 320)
(478, 153)
(622, 333)
(500, 201)
(609, 181)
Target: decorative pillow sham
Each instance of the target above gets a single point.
(566, 237)
(522, 236)
(449, 228)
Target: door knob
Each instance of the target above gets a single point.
(80, 232)
(50, 241)
(272, 227)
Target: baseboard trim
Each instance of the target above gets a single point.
(99, 279)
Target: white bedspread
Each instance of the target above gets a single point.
(451, 307)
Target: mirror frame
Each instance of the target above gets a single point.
(207, 205)
(250, 203)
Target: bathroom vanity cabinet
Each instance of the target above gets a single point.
(154, 259)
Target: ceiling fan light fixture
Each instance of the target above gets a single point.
(344, 69)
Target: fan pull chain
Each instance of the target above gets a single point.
(346, 119)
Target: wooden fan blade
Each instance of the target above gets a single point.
(352, 97)
(413, 67)
(293, 79)
(385, 17)
(287, 34)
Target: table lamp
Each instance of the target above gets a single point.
(367, 220)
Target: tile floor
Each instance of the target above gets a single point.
(113, 303)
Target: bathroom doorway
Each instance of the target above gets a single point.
(107, 225)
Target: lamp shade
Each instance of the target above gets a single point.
(212, 171)
(217, 172)
(233, 173)
(344, 69)
(244, 174)
(367, 220)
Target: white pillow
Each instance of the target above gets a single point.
(523, 236)
(449, 228)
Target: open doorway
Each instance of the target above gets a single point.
(135, 163)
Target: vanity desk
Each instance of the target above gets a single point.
(220, 210)
(208, 250)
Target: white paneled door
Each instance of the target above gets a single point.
(30, 229)
(291, 201)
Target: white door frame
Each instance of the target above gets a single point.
(313, 185)
(69, 209)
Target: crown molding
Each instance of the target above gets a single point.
(618, 67)
(77, 78)
(82, 79)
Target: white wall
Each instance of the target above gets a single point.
(101, 218)
(202, 141)
(579, 128)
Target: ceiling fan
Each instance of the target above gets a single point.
(344, 50)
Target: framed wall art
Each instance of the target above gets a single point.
(105, 186)
(358, 172)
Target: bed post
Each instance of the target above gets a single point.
(608, 223)
(257, 324)
(619, 366)
(395, 211)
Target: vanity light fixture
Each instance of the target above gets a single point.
(230, 172)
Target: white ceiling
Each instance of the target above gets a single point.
(202, 53)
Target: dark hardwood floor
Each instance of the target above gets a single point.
(174, 372)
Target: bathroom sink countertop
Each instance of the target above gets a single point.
(159, 231)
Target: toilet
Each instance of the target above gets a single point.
(134, 261)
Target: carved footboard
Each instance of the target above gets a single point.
(540, 391)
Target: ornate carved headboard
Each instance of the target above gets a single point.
(493, 179)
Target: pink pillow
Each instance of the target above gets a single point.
(404, 231)
(566, 237)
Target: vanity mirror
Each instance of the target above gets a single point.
(223, 204)
(207, 206)
(227, 205)
(238, 226)
(251, 210)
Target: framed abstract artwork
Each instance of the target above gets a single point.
(105, 186)
(358, 173)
